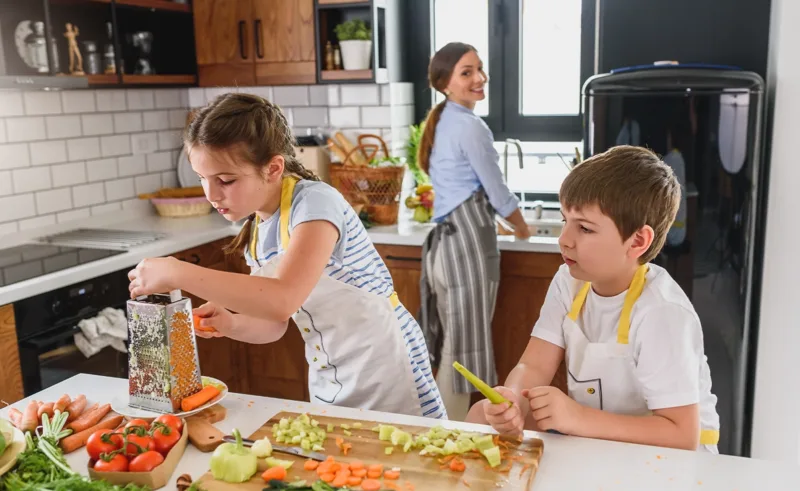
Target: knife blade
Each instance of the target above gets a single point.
(279, 448)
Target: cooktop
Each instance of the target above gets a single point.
(28, 261)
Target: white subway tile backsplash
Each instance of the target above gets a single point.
(48, 152)
(83, 148)
(402, 115)
(360, 95)
(170, 140)
(344, 117)
(17, 207)
(197, 97)
(132, 165)
(6, 187)
(377, 116)
(97, 124)
(63, 126)
(112, 146)
(2, 130)
(139, 99)
(296, 95)
(386, 94)
(101, 170)
(69, 174)
(111, 100)
(177, 118)
(139, 205)
(265, 92)
(14, 156)
(144, 143)
(88, 194)
(38, 222)
(310, 116)
(106, 208)
(169, 179)
(148, 183)
(119, 189)
(324, 95)
(127, 122)
(25, 129)
(168, 98)
(80, 101)
(31, 179)
(8, 228)
(39, 103)
(72, 215)
(156, 120)
(11, 103)
(159, 162)
(213, 93)
(54, 200)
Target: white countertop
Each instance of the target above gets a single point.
(569, 463)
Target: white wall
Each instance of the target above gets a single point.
(776, 425)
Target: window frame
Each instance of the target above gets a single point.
(505, 98)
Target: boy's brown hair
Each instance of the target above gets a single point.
(632, 186)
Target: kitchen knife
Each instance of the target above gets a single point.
(278, 448)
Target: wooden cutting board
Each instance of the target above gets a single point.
(423, 473)
(202, 432)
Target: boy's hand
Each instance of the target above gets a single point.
(504, 419)
(554, 410)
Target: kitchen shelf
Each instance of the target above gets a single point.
(154, 4)
(343, 3)
(329, 75)
(103, 79)
(159, 79)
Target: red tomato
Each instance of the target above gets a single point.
(165, 438)
(118, 463)
(145, 442)
(138, 422)
(171, 421)
(146, 462)
(103, 441)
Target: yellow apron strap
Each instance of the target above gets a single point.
(254, 239)
(577, 304)
(634, 292)
(394, 299)
(709, 437)
(287, 193)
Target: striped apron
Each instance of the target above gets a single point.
(471, 265)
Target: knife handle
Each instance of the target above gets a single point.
(203, 435)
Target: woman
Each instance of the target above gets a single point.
(312, 261)
(461, 265)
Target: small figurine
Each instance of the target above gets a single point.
(329, 65)
(75, 58)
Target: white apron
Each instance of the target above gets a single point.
(354, 346)
(601, 375)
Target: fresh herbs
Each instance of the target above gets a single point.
(76, 483)
(355, 29)
(300, 486)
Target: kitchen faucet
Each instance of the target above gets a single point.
(516, 143)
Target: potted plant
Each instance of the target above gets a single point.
(355, 41)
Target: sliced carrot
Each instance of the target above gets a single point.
(343, 472)
(447, 459)
(356, 464)
(375, 468)
(457, 465)
(336, 467)
(276, 473)
(325, 468)
(371, 485)
(310, 465)
(393, 475)
(353, 481)
(330, 458)
(374, 474)
(327, 477)
(339, 481)
(359, 472)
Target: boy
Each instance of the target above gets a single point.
(630, 337)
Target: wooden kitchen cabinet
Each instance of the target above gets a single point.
(524, 280)
(11, 389)
(254, 42)
(272, 370)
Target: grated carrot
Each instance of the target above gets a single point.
(391, 485)
(466, 483)
(524, 468)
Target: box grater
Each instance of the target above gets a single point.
(163, 366)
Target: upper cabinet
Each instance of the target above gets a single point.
(255, 42)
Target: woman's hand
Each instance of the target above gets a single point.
(154, 275)
(215, 322)
(521, 228)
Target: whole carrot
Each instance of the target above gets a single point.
(30, 418)
(79, 439)
(199, 398)
(76, 407)
(15, 416)
(62, 403)
(89, 418)
(47, 407)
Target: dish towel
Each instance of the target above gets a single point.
(108, 328)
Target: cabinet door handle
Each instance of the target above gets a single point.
(400, 258)
(259, 41)
(242, 34)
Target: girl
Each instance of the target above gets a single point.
(311, 261)
(461, 266)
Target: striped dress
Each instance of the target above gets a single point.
(356, 262)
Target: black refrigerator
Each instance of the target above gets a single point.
(706, 123)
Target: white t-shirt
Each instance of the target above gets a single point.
(665, 334)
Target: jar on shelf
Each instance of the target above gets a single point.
(93, 63)
(36, 44)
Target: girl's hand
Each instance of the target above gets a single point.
(154, 275)
(214, 322)
(554, 410)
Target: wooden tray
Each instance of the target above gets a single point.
(424, 473)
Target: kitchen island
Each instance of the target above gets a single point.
(569, 463)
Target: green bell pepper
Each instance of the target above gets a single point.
(233, 462)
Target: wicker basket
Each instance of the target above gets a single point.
(375, 189)
(181, 207)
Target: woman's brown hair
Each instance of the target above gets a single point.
(440, 70)
(254, 128)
